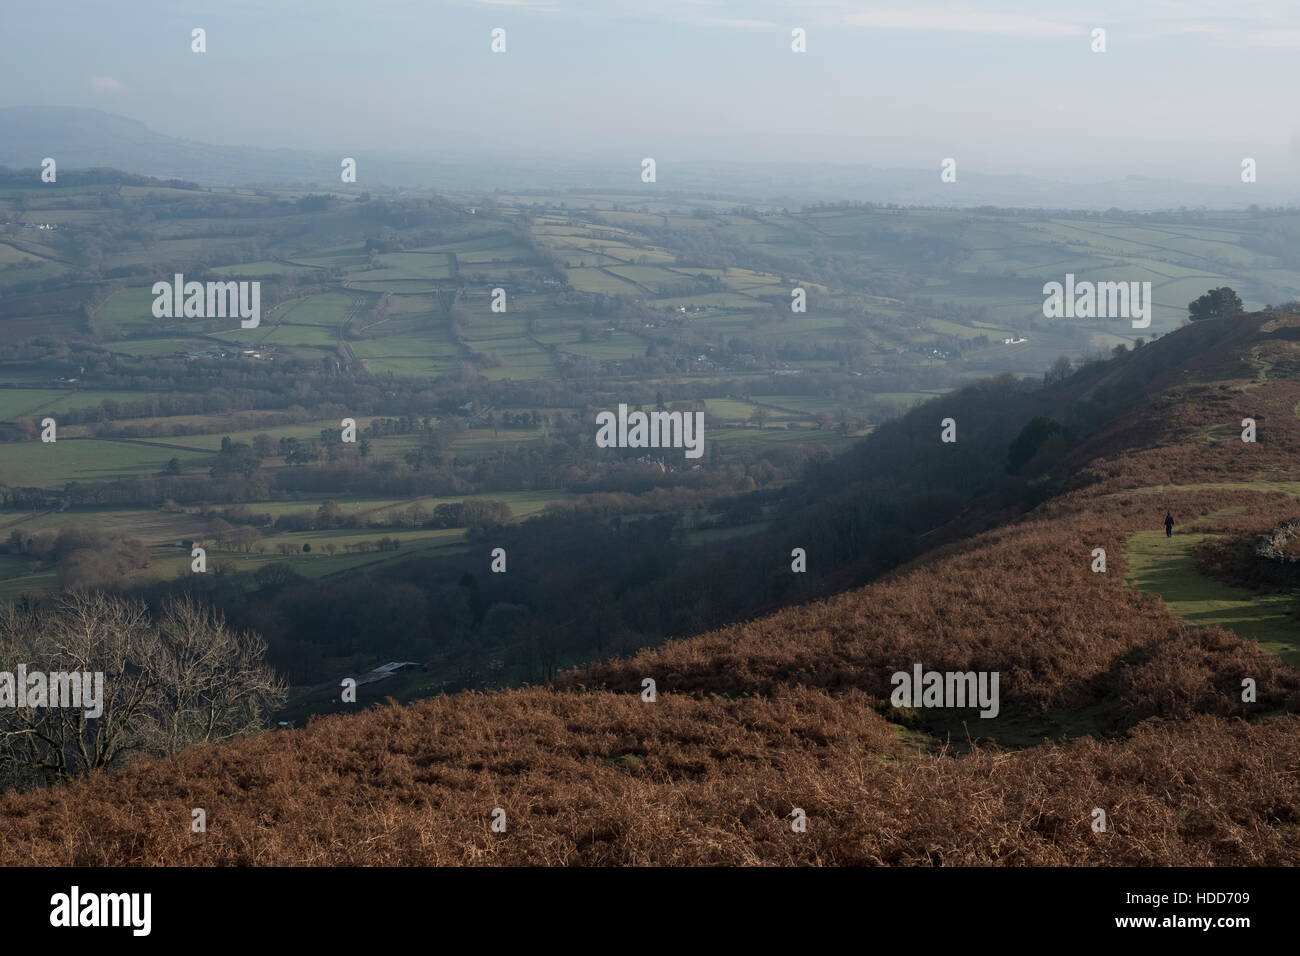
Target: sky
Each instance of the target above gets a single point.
(1185, 90)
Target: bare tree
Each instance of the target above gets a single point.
(243, 539)
(87, 633)
(211, 682)
(184, 678)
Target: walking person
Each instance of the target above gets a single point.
(1169, 525)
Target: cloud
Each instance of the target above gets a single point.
(740, 24)
(1249, 23)
(541, 6)
(1277, 39)
(105, 84)
(1013, 24)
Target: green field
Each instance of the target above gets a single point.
(608, 295)
(53, 465)
(1166, 567)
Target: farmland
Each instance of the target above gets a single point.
(425, 371)
(686, 299)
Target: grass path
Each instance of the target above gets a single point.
(1166, 567)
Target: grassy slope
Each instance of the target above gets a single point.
(1167, 567)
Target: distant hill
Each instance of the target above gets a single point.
(83, 138)
(1109, 698)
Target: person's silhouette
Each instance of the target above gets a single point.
(1169, 525)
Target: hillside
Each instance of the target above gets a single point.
(1109, 698)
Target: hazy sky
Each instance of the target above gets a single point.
(1185, 89)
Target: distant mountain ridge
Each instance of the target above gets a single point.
(84, 138)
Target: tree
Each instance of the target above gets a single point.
(243, 539)
(174, 466)
(482, 513)
(329, 515)
(1031, 440)
(210, 682)
(1215, 304)
(263, 446)
(276, 575)
(183, 678)
(416, 516)
(1061, 370)
(501, 621)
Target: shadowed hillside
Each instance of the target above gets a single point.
(1109, 699)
